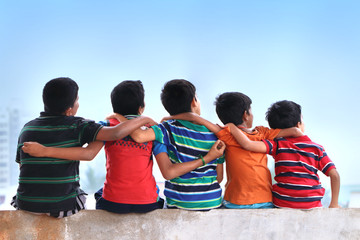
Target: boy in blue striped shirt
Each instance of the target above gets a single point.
(183, 142)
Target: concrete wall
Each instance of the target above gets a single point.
(180, 224)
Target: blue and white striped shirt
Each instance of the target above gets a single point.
(185, 141)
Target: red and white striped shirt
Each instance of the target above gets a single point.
(297, 161)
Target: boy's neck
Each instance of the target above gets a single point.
(192, 111)
(245, 127)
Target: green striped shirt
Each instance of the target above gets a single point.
(51, 184)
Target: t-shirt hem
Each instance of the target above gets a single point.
(127, 201)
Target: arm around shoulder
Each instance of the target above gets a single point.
(245, 142)
(141, 136)
(123, 129)
(290, 132)
(193, 117)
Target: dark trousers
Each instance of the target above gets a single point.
(114, 207)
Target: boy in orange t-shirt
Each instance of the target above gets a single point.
(248, 177)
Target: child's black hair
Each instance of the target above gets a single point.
(231, 106)
(283, 114)
(59, 94)
(177, 95)
(127, 97)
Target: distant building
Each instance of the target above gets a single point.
(15, 126)
(10, 127)
(11, 122)
(4, 150)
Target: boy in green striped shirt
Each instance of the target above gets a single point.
(51, 185)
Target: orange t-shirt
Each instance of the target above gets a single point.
(248, 177)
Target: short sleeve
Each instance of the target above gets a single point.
(17, 156)
(325, 164)
(221, 160)
(225, 135)
(267, 133)
(162, 135)
(105, 123)
(158, 148)
(88, 131)
(270, 146)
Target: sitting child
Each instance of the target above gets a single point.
(130, 185)
(297, 161)
(51, 185)
(248, 177)
(185, 143)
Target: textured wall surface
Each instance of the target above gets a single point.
(180, 224)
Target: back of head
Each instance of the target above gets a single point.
(59, 94)
(127, 97)
(283, 114)
(177, 95)
(231, 106)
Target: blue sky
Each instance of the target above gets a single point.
(304, 51)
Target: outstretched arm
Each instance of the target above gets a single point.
(171, 170)
(335, 188)
(245, 142)
(193, 117)
(290, 132)
(124, 129)
(74, 153)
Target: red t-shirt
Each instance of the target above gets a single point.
(129, 178)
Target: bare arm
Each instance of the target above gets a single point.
(124, 129)
(193, 117)
(245, 142)
(335, 188)
(74, 153)
(220, 172)
(139, 135)
(171, 170)
(290, 132)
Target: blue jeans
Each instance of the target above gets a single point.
(250, 206)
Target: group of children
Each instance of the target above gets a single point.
(189, 150)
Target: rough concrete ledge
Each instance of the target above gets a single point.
(180, 224)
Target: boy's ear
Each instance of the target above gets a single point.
(245, 116)
(195, 106)
(141, 110)
(68, 112)
(194, 102)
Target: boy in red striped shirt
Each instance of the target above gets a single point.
(297, 161)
